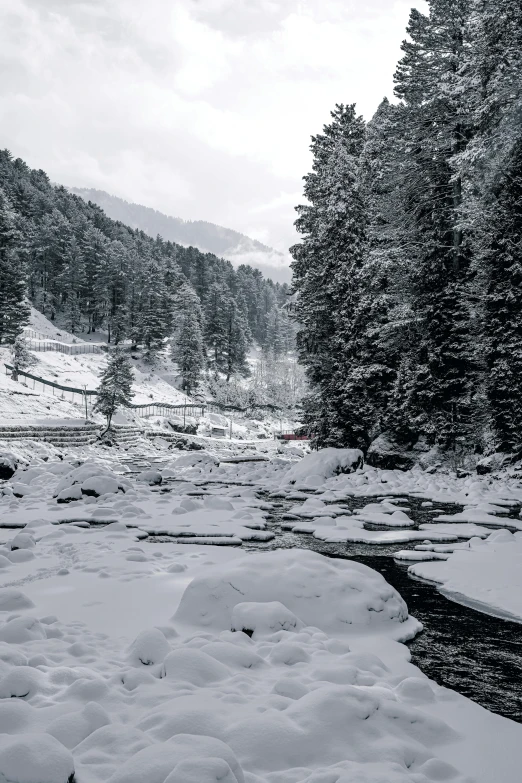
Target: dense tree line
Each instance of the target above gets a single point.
(90, 273)
(409, 271)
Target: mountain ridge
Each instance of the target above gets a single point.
(206, 236)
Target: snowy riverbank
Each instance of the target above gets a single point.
(127, 659)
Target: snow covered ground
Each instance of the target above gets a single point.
(129, 660)
(26, 402)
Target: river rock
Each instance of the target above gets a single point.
(386, 454)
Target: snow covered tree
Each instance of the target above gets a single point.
(21, 357)
(216, 328)
(435, 128)
(14, 312)
(325, 273)
(188, 350)
(238, 340)
(115, 389)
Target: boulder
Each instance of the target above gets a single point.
(8, 465)
(151, 477)
(386, 454)
(493, 462)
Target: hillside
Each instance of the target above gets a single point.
(207, 237)
(91, 274)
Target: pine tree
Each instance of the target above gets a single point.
(21, 357)
(14, 312)
(216, 327)
(325, 270)
(188, 351)
(238, 339)
(492, 170)
(435, 128)
(115, 389)
(71, 281)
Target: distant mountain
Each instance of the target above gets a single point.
(207, 237)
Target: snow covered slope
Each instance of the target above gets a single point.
(20, 402)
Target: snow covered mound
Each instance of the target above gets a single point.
(484, 574)
(8, 464)
(320, 465)
(333, 595)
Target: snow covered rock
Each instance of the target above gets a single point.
(194, 666)
(333, 595)
(13, 600)
(73, 728)
(264, 619)
(386, 454)
(151, 477)
(150, 647)
(22, 629)
(493, 462)
(34, 758)
(22, 541)
(184, 753)
(69, 494)
(100, 485)
(22, 682)
(8, 465)
(195, 459)
(315, 468)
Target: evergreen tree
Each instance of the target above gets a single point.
(216, 327)
(325, 271)
(115, 389)
(188, 351)
(434, 129)
(238, 339)
(14, 312)
(21, 357)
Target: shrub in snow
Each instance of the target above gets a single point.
(8, 465)
(156, 763)
(329, 594)
(34, 758)
(149, 647)
(263, 619)
(324, 464)
(152, 477)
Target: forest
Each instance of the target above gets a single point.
(90, 274)
(409, 269)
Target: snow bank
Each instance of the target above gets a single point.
(484, 574)
(334, 595)
(313, 469)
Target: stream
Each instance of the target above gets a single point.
(478, 655)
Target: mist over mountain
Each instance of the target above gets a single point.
(208, 237)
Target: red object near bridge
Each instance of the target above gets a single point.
(290, 435)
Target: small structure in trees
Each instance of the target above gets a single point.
(115, 389)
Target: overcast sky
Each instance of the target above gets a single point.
(202, 109)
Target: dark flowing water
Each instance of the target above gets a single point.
(471, 652)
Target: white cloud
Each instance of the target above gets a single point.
(199, 108)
